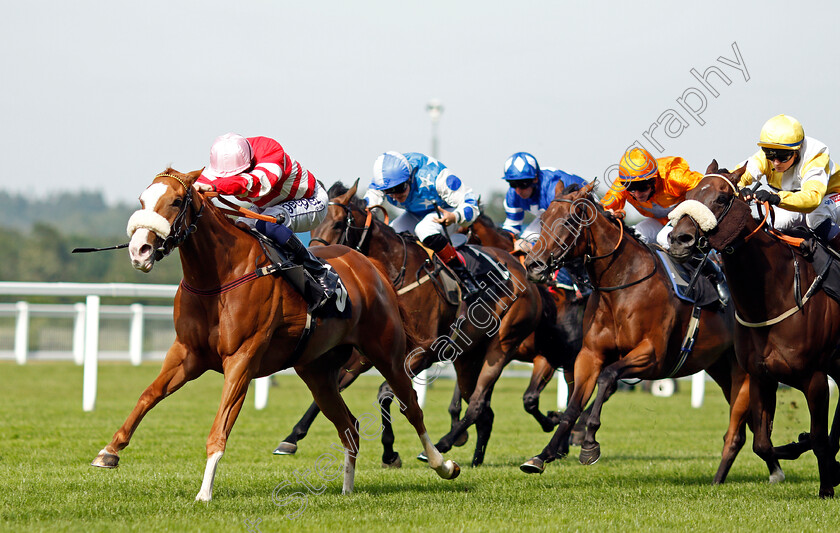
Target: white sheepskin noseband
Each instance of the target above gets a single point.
(697, 211)
(149, 220)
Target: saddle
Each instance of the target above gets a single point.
(302, 281)
(701, 293)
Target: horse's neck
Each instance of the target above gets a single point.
(217, 251)
(759, 264)
(390, 249)
(629, 261)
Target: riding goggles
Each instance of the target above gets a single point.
(781, 156)
(397, 189)
(521, 184)
(639, 186)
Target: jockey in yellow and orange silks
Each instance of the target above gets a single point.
(799, 177)
(654, 187)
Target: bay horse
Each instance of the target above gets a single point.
(478, 350)
(634, 325)
(231, 319)
(779, 336)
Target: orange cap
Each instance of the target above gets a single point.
(636, 165)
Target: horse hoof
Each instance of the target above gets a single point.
(456, 471)
(777, 477)
(535, 465)
(462, 439)
(285, 448)
(590, 456)
(395, 463)
(106, 460)
(422, 457)
(826, 493)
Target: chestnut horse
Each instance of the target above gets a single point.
(231, 319)
(485, 335)
(780, 336)
(634, 325)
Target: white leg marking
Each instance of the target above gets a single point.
(349, 474)
(206, 492)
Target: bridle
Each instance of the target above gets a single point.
(557, 262)
(180, 228)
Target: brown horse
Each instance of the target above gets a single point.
(779, 337)
(231, 319)
(480, 341)
(634, 325)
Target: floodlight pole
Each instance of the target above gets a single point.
(435, 109)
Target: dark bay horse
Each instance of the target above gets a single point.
(480, 339)
(634, 325)
(780, 336)
(230, 319)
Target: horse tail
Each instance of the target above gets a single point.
(413, 338)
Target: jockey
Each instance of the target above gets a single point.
(654, 187)
(802, 179)
(259, 171)
(531, 189)
(433, 197)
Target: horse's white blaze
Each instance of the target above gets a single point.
(142, 223)
(349, 474)
(140, 260)
(206, 492)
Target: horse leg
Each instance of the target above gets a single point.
(288, 446)
(763, 411)
(238, 372)
(179, 366)
(455, 415)
(392, 368)
(483, 429)
(587, 368)
(635, 362)
(479, 401)
(540, 377)
(390, 458)
(352, 370)
(324, 387)
(816, 391)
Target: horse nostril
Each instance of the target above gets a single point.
(146, 249)
(685, 239)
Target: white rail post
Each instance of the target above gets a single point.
(698, 388)
(261, 392)
(562, 391)
(135, 335)
(79, 334)
(91, 352)
(22, 332)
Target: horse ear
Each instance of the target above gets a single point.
(735, 177)
(713, 167)
(352, 192)
(558, 189)
(587, 190)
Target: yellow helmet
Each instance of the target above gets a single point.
(637, 164)
(782, 132)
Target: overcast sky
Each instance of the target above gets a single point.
(103, 95)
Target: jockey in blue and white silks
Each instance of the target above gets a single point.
(432, 196)
(531, 190)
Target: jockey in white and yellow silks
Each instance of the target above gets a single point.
(798, 177)
(654, 187)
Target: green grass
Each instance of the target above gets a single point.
(658, 459)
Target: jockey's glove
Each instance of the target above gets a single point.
(767, 196)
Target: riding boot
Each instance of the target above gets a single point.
(717, 277)
(317, 294)
(453, 260)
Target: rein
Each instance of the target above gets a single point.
(555, 263)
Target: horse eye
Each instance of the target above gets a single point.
(337, 225)
(721, 199)
(177, 202)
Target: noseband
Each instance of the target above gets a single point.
(180, 228)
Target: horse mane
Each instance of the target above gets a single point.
(628, 230)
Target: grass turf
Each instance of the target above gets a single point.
(658, 458)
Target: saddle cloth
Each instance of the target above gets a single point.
(702, 294)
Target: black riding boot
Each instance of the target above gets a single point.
(467, 282)
(317, 294)
(716, 275)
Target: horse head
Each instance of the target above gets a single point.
(713, 215)
(169, 208)
(563, 221)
